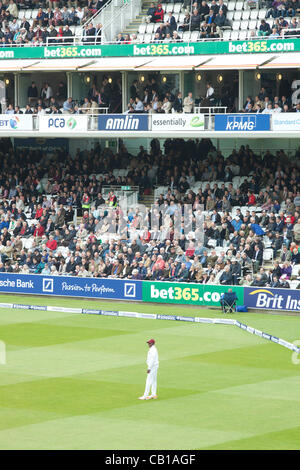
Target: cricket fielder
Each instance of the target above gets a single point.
(152, 363)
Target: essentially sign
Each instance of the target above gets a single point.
(63, 122)
(286, 121)
(71, 286)
(177, 122)
(181, 293)
(15, 122)
(272, 299)
(242, 122)
(123, 122)
(156, 50)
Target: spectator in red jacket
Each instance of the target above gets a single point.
(251, 199)
(39, 212)
(51, 243)
(158, 14)
(39, 230)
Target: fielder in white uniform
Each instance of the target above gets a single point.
(152, 363)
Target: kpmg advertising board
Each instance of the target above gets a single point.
(242, 122)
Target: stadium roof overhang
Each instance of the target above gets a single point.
(291, 60)
(236, 62)
(174, 63)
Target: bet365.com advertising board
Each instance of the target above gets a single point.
(192, 294)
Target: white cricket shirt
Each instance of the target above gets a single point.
(152, 358)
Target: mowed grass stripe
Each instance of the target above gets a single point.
(217, 384)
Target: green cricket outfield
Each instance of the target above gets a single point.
(72, 381)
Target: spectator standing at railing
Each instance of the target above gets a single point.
(188, 103)
(195, 21)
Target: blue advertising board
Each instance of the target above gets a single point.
(272, 299)
(71, 286)
(123, 122)
(242, 122)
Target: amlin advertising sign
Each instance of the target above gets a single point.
(178, 122)
(123, 122)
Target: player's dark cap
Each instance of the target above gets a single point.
(151, 341)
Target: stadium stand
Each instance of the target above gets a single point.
(62, 215)
(38, 23)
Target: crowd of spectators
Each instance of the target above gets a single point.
(265, 103)
(152, 97)
(207, 20)
(52, 23)
(47, 100)
(251, 205)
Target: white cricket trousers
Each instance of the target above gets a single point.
(151, 382)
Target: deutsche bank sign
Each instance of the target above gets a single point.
(70, 286)
(242, 122)
(123, 122)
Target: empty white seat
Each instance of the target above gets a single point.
(237, 15)
(147, 38)
(177, 8)
(236, 26)
(142, 28)
(252, 24)
(243, 35)
(231, 6)
(244, 24)
(149, 28)
(181, 17)
(239, 5)
(229, 15)
(186, 36)
(253, 14)
(194, 35)
(170, 7)
(226, 35)
(262, 14)
(246, 15)
(28, 14)
(234, 36)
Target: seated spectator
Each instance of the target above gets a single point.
(264, 29)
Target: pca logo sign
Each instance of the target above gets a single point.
(129, 289)
(71, 123)
(48, 285)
